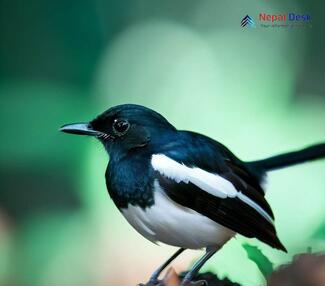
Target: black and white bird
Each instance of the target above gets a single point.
(183, 188)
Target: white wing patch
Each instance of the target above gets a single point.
(208, 182)
(211, 183)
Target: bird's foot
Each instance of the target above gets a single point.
(185, 282)
(152, 282)
(199, 283)
(196, 283)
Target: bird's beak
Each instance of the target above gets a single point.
(79, 129)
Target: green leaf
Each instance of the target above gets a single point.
(262, 262)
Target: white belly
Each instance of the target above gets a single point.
(173, 224)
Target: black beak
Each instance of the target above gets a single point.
(79, 129)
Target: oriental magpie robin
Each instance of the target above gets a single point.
(183, 188)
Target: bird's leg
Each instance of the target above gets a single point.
(210, 251)
(155, 275)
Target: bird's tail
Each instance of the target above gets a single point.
(288, 159)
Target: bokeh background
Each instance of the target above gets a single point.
(258, 91)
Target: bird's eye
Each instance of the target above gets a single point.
(120, 126)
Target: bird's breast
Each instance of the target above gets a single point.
(130, 182)
(168, 222)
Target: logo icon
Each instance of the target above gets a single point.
(247, 21)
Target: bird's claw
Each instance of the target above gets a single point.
(196, 283)
(152, 283)
(199, 283)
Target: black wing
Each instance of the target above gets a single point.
(232, 213)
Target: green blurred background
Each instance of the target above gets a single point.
(258, 91)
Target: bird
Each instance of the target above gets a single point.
(183, 188)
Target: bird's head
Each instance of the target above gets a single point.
(124, 127)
